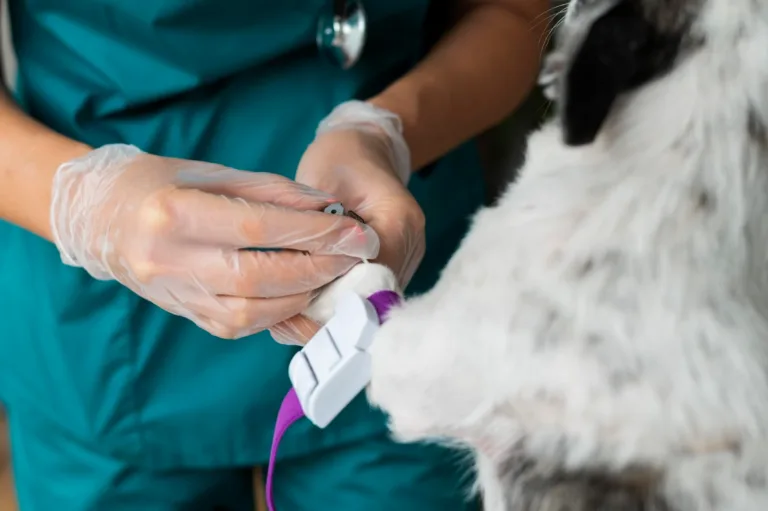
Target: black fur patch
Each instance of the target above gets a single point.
(705, 201)
(756, 128)
(622, 50)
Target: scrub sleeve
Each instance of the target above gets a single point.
(116, 405)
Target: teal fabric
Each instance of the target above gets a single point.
(236, 82)
(374, 475)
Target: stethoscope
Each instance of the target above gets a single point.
(341, 32)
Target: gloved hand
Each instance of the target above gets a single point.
(360, 156)
(173, 231)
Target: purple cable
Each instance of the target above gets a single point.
(290, 409)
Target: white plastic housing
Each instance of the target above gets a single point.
(335, 366)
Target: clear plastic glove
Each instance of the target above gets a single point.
(360, 156)
(174, 231)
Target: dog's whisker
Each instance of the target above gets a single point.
(548, 34)
(548, 37)
(552, 14)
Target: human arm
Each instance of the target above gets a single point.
(142, 208)
(172, 230)
(474, 77)
(364, 152)
(30, 153)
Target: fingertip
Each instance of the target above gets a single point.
(296, 331)
(280, 336)
(359, 241)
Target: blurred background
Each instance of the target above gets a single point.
(6, 491)
(9, 63)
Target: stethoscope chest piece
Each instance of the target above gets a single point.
(341, 32)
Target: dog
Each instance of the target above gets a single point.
(599, 341)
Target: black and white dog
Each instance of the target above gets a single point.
(600, 339)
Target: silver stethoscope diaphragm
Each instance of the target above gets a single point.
(341, 32)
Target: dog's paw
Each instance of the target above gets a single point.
(364, 280)
(421, 377)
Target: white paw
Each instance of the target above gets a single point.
(364, 279)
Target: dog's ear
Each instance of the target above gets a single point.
(621, 50)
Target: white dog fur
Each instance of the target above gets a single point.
(364, 279)
(600, 339)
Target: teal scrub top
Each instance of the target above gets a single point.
(236, 82)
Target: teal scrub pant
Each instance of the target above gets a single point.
(371, 475)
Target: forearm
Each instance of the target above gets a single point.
(30, 153)
(474, 78)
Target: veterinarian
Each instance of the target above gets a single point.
(120, 266)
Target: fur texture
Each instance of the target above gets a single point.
(600, 339)
(364, 280)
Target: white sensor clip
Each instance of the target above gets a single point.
(335, 366)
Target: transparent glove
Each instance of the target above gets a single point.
(360, 156)
(174, 231)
